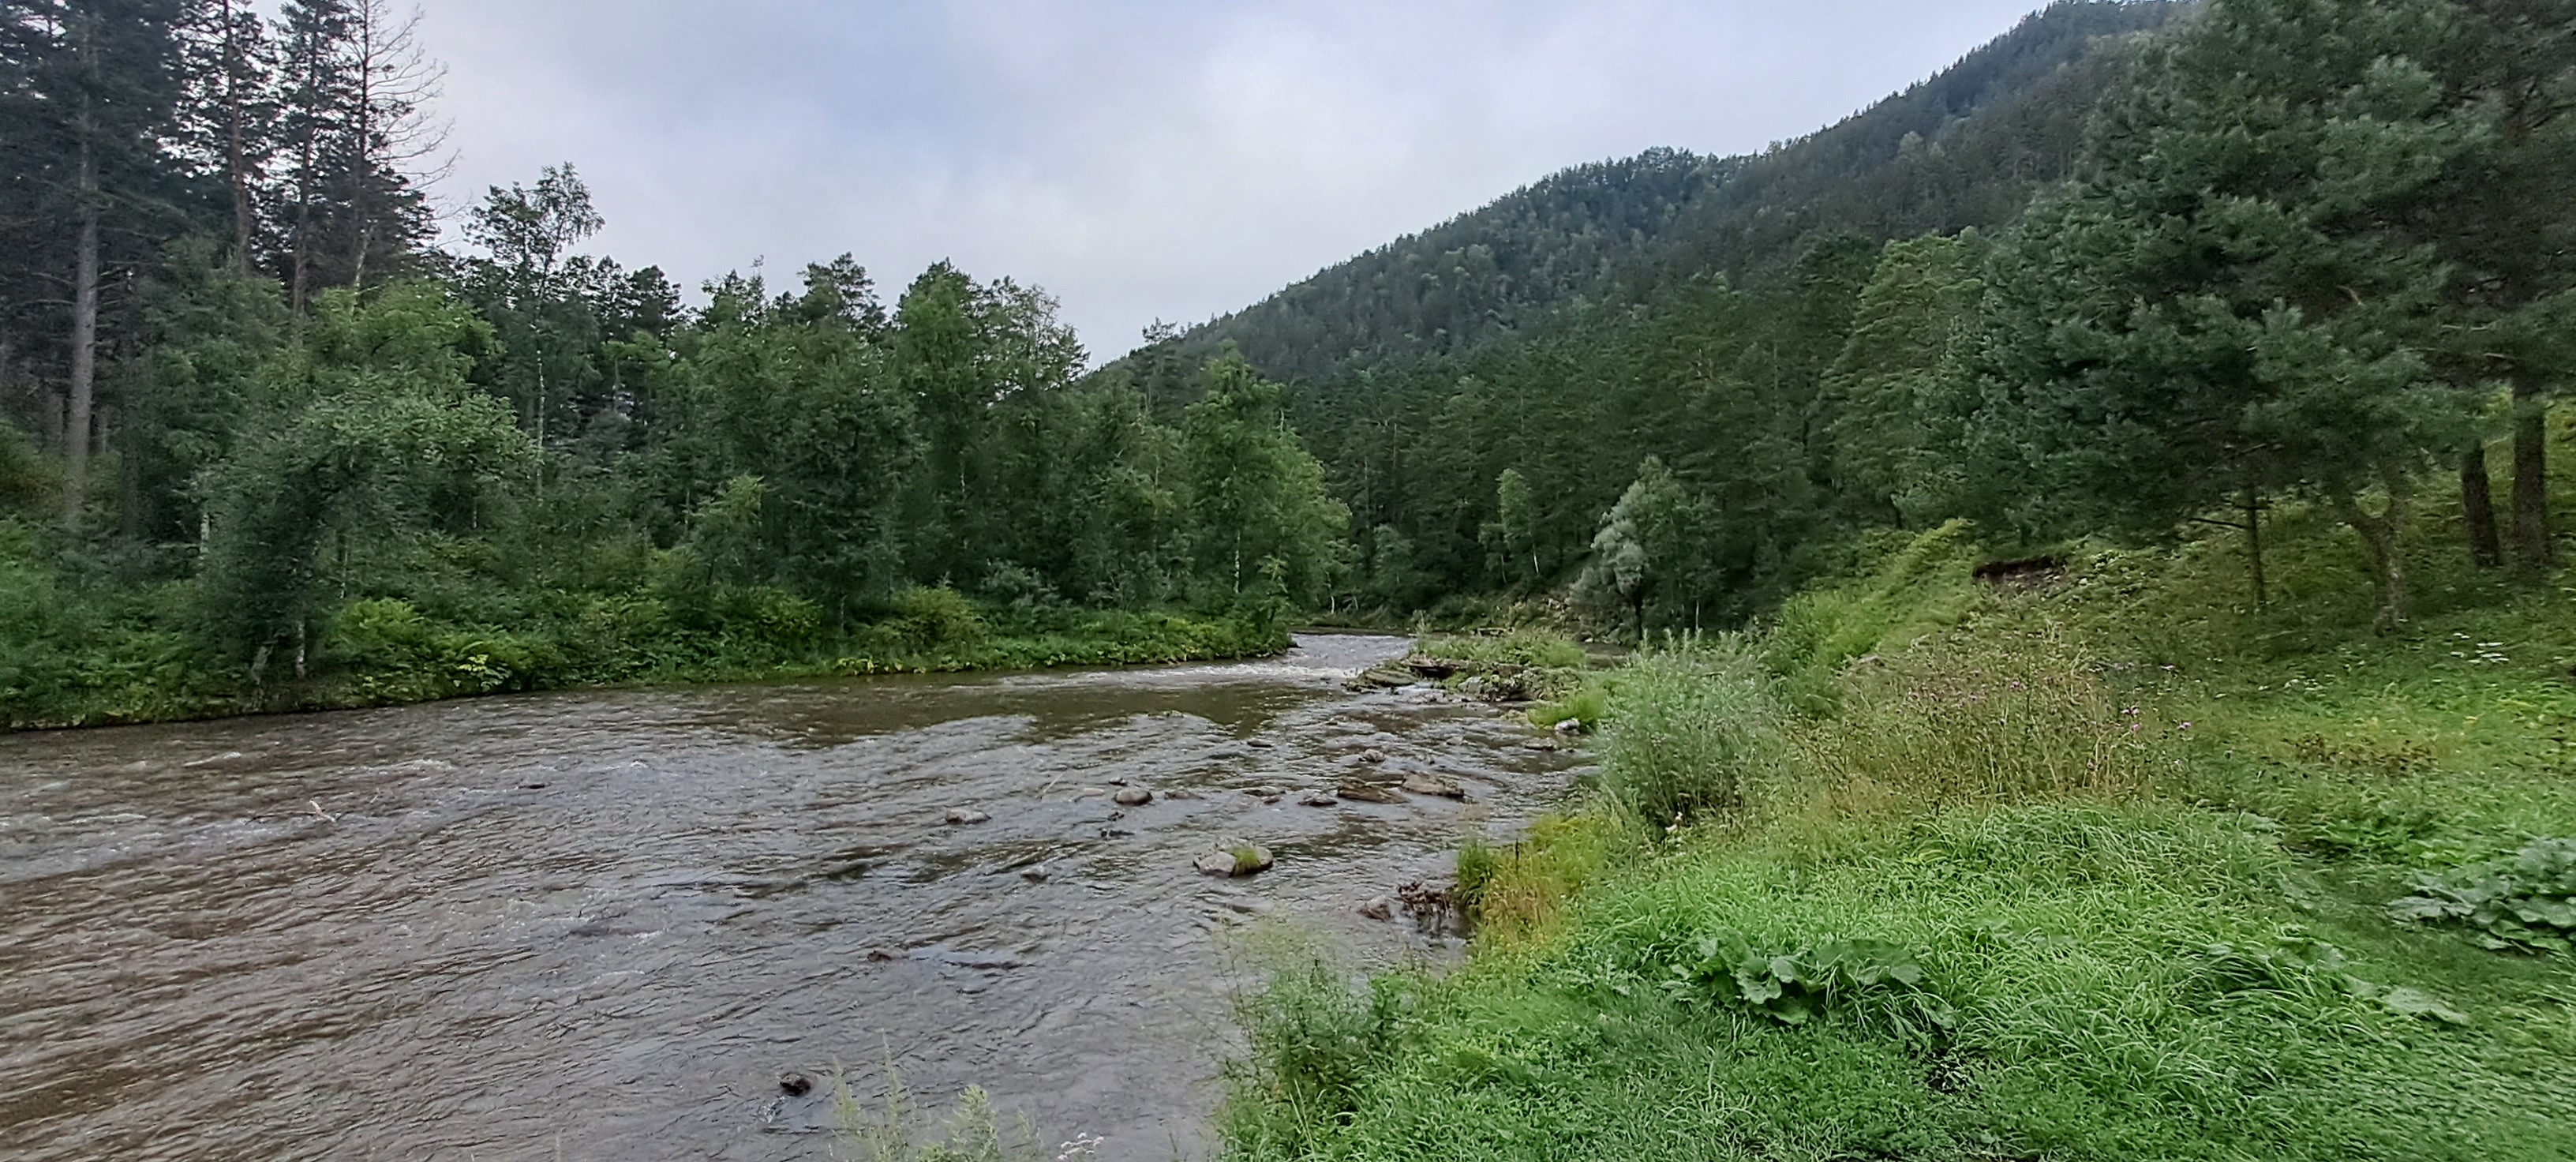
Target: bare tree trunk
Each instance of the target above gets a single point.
(84, 346)
(2477, 509)
(2531, 542)
(236, 150)
(2254, 545)
(2381, 543)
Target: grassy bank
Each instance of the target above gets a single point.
(2103, 863)
(82, 649)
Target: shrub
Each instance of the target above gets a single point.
(929, 619)
(1692, 733)
(1316, 1037)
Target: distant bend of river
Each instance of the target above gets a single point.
(601, 925)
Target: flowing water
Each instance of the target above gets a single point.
(602, 925)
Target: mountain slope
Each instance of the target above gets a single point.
(1964, 148)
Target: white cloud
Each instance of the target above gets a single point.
(1141, 160)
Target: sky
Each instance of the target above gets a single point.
(1141, 160)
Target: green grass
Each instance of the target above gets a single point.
(2140, 837)
(1521, 647)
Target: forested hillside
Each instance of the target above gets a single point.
(265, 445)
(1883, 326)
(2151, 737)
(1964, 148)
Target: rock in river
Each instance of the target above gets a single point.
(1134, 797)
(966, 815)
(1380, 908)
(1367, 793)
(1431, 785)
(1249, 859)
(1372, 755)
(1320, 799)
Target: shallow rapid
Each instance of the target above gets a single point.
(601, 925)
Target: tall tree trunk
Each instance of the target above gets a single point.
(2382, 544)
(2477, 509)
(2254, 546)
(236, 149)
(2531, 543)
(84, 345)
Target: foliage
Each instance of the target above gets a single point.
(1520, 647)
(2525, 901)
(1795, 985)
(900, 1131)
(1694, 733)
(1999, 716)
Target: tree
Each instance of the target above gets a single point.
(1261, 524)
(2232, 303)
(1893, 372)
(228, 117)
(1643, 552)
(2500, 218)
(548, 331)
(100, 84)
(368, 431)
(355, 86)
(1513, 533)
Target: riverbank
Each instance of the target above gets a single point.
(2094, 862)
(135, 657)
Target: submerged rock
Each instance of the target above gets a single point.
(1431, 785)
(963, 816)
(1367, 793)
(1380, 908)
(1134, 797)
(1319, 799)
(1372, 755)
(795, 1084)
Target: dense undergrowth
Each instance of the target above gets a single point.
(78, 648)
(2100, 863)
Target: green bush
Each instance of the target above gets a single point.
(927, 620)
(1694, 732)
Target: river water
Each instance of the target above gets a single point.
(601, 925)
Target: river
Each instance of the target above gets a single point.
(603, 924)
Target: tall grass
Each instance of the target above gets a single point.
(2012, 717)
(1696, 734)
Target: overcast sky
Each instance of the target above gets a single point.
(1143, 159)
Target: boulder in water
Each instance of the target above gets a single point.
(1320, 799)
(1433, 785)
(1372, 755)
(1249, 859)
(1380, 908)
(1134, 797)
(1367, 793)
(795, 1084)
(964, 816)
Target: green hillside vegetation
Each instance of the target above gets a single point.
(2101, 863)
(2149, 731)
